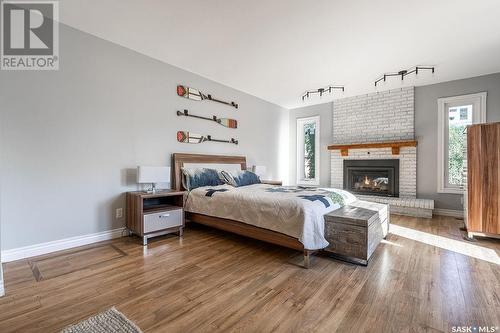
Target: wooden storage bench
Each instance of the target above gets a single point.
(354, 231)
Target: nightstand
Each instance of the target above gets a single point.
(272, 182)
(155, 214)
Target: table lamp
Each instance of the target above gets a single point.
(153, 175)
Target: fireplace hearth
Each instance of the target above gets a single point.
(372, 177)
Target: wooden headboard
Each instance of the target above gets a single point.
(178, 161)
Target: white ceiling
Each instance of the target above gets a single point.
(277, 49)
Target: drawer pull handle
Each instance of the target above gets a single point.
(164, 215)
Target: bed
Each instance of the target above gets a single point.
(286, 216)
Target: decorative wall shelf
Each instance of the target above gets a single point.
(394, 145)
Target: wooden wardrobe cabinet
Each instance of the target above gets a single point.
(483, 180)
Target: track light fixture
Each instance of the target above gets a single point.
(403, 73)
(321, 91)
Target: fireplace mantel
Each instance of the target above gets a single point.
(394, 145)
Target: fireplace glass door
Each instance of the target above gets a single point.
(372, 177)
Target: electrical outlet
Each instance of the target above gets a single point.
(119, 213)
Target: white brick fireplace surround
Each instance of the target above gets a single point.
(377, 117)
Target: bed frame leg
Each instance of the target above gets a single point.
(307, 254)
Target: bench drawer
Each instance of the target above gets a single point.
(347, 240)
(163, 220)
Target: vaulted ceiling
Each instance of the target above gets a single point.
(277, 49)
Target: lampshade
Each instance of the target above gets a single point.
(147, 174)
(259, 170)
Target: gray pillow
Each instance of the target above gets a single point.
(240, 178)
(197, 177)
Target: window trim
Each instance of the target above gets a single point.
(479, 103)
(300, 142)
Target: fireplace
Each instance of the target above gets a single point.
(372, 177)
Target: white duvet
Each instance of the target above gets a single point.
(293, 211)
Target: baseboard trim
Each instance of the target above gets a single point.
(58, 245)
(448, 212)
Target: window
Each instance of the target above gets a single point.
(308, 151)
(465, 112)
(454, 114)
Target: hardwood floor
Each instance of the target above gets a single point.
(215, 281)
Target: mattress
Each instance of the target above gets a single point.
(294, 211)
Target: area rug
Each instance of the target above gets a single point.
(110, 321)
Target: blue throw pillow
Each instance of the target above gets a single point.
(198, 177)
(240, 178)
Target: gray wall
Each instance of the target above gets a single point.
(325, 113)
(426, 129)
(71, 138)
